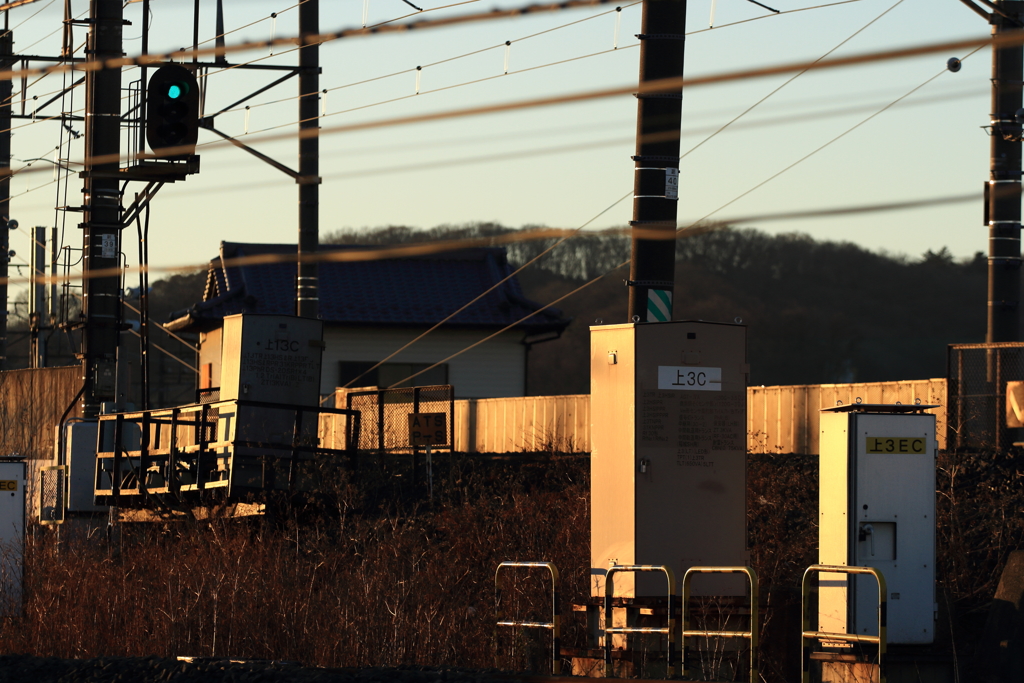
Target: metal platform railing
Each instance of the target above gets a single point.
(752, 634)
(810, 587)
(242, 446)
(610, 630)
(554, 625)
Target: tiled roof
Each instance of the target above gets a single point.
(409, 291)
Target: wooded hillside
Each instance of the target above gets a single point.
(817, 312)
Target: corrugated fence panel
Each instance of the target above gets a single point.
(31, 403)
(785, 419)
(780, 419)
(523, 423)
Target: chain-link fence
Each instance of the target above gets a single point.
(384, 424)
(52, 483)
(977, 376)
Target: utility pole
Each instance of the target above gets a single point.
(306, 290)
(6, 90)
(1003, 198)
(656, 180)
(101, 302)
(37, 298)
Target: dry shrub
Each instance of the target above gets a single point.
(377, 574)
(373, 582)
(979, 501)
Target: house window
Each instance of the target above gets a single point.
(388, 374)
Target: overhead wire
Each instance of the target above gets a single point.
(491, 288)
(377, 253)
(159, 58)
(835, 139)
(789, 80)
(451, 59)
(662, 85)
(698, 226)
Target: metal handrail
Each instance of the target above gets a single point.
(752, 634)
(555, 625)
(807, 634)
(609, 630)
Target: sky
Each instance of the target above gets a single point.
(558, 166)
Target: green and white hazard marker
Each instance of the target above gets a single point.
(659, 305)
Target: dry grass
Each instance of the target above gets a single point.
(376, 575)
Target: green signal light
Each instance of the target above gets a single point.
(176, 90)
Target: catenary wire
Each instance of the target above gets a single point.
(440, 246)
(789, 80)
(663, 85)
(697, 225)
(835, 139)
(160, 58)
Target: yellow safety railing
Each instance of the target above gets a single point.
(556, 618)
(809, 587)
(610, 630)
(751, 634)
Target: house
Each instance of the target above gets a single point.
(373, 307)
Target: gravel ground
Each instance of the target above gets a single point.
(25, 669)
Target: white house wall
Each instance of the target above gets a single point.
(495, 369)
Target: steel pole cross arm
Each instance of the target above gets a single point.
(669, 629)
(555, 625)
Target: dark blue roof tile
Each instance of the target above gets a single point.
(417, 290)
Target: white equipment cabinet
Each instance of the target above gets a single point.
(12, 534)
(877, 509)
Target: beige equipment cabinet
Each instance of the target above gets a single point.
(668, 464)
(877, 509)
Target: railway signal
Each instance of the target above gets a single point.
(172, 112)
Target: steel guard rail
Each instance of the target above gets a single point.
(556, 618)
(609, 630)
(808, 587)
(751, 634)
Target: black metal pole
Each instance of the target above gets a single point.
(655, 186)
(6, 91)
(1003, 201)
(306, 290)
(101, 303)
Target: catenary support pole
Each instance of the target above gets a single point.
(6, 90)
(656, 180)
(1003, 200)
(101, 303)
(307, 290)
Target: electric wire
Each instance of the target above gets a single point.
(377, 253)
(527, 37)
(32, 16)
(182, 54)
(699, 225)
(833, 140)
(663, 85)
(451, 59)
(449, 87)
(789, 80)
(492, 287)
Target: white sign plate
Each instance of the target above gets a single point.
(108, 246)
(685, 378)
(671, 183)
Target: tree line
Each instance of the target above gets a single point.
(817, 311)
